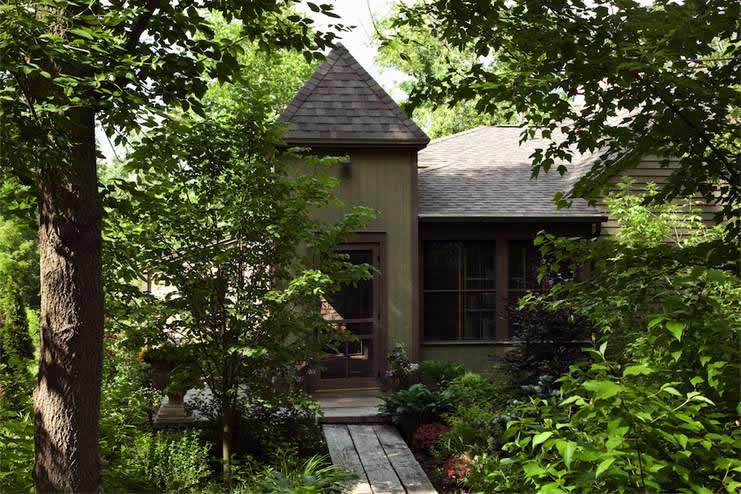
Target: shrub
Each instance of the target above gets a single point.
(474, 429)
(263, 430)
(417, 405)
(400, 371)
(658, 413)
(438, 373)
(16, 351)
(315, 475)
(549, 340)
(472, 389)
(426, 435)
(456, 468)
(16, 448)
(490, 474)
(169, 461)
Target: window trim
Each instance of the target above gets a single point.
(462, 291)
(501, 232)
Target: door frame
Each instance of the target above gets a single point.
(375, 242)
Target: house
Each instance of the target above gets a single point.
(453, 240)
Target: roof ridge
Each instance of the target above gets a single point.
(459, 134)
(383, 95)
(341, 74)
(302, 94)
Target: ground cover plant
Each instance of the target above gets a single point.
(133, 455)
(68, 68)
(651, 404)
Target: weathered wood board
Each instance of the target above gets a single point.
(378, 469)
(406, 466)
(380, 458)
(343, 453)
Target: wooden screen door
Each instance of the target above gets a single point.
(356, 309)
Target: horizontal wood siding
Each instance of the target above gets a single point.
(650, 171)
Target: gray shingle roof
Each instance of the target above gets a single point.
(342, 104)
(485, 173)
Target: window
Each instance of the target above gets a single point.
(522, 276)
(459, 290)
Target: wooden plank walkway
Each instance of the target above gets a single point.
(379, 457)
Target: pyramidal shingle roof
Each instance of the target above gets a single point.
(342, 105)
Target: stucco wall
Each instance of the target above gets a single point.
(475, 357)
(385, 181)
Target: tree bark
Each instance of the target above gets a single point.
(227, 439)
(67, 398)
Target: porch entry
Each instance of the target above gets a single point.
(358, 310)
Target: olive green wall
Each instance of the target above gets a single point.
(476, 358)
(386, 181)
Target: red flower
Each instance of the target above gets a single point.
(426, 435)
(456, 468)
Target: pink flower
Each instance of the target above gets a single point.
(456, 468)
(426, 435)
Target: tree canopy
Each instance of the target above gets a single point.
(421, 55)
(65, 67)
(621, 79)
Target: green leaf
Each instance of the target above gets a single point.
(603, 389)
(682, 440)
(551, 488)
(676, 328)
(532, 469)
(81, 32)
(604, 466)
(671, 391)
(572, 399)
(540, 438)
(566, 449)
(637, 370)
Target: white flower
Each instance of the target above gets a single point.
(413, 366)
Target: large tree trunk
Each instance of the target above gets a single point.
(67, 399)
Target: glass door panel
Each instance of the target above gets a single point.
(354, 310)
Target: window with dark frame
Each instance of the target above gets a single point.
(522, 275)
(459, 290)
(459, 287)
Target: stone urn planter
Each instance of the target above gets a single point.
(171, 374)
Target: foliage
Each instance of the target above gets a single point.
(125, 413)
(16, 448)
(424, 56)
(620, 428)
(622, 79)
(291, 476)
(262, 430)
(491, 392)
(400, 371)
(266, 78)
(474, 428)
(101, 54)
(16, 351)
(237, 258)
(19, 256)
(416, 405)
(657, 412)
(426, 435)
(66, 67)
(549, 340)
(438, 373)
(456, 469)
(168, 461)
